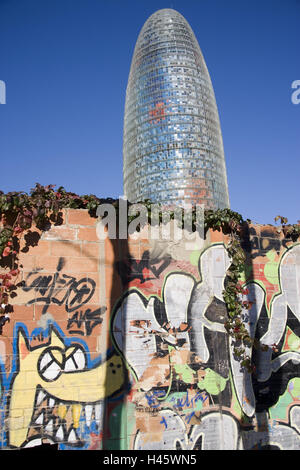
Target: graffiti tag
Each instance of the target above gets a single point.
(59, 289)
(88, 320)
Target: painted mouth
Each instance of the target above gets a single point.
(54, 421)
(55, 395)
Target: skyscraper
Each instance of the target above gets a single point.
(172, 143)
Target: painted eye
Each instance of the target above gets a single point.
(75, 359)
(50, 364)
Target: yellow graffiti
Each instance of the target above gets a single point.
(62, 411)
(76, 410)
(47, 366)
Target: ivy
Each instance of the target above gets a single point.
(43, 207)
(289, 231)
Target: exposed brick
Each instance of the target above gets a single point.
(65, 248)
(216, 236)
(81, 265)
(88, 234)
(96, 278)
(111, 250)
(23, 312)
(80, 217)
(113, 286)
(60, 232)
(81, 258)
(254, 230)
(90, 249)
(62, 324)
(26, 262)
(269, 231)
(58, 312)
(92, 341)
(23, 297)
(41, 249)
(47, 263)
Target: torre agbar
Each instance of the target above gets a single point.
(172, 143)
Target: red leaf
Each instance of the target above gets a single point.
(6, 251)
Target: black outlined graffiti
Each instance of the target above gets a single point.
(58, 370)
(141, 270)
(88, 320)
(258, 244)
(200, 306)
(59, 289)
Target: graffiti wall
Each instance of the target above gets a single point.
(121, 344)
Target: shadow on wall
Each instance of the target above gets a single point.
(256, 331)
(267, 385)
(185, 325)
(115, 417)
(57, 418)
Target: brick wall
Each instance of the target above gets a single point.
(120, 344)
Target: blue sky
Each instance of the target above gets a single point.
(65, 64)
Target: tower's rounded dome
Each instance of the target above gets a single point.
(172, 143)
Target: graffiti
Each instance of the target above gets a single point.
(187, 402)
(64, 290)
(164, 422)
(59, 289)
(167, 378)
(182, 346)
(152, 326)
(153, 397)
(289, 274)
(143, 270)
(217, 431)
(257, 242)
(52, 378)
(177, 400)
(157, 327)
(87, 320)
(215, 428)
(3, 319)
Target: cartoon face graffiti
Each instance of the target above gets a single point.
(57, 377)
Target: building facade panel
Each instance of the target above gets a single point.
(173, 148)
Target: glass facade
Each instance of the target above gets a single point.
(172, 143)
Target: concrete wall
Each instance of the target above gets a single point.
(117, 345)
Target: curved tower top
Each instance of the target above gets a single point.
(172, 143)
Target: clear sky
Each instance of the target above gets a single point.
(65, 64)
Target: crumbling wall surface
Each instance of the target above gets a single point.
(120, 344)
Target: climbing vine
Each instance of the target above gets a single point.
(43, 207)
